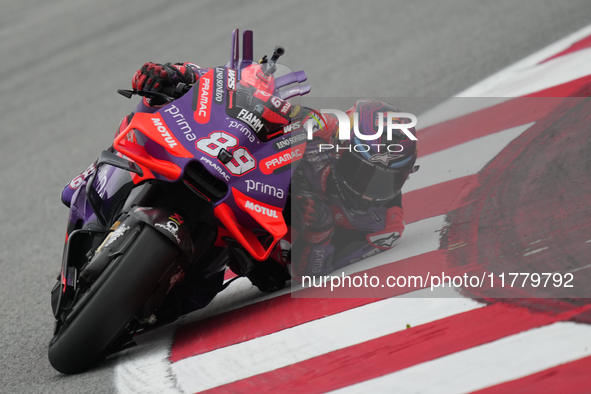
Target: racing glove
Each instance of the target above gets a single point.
(156, 77)
(313, 213)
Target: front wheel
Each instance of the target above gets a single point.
(131, 279)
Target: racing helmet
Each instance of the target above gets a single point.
(372, 172)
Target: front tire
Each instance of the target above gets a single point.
(131, 279)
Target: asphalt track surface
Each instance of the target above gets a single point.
(61, 63)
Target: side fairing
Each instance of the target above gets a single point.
(112, 185)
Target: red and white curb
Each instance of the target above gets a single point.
(245, 341)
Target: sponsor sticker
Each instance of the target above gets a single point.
(181, 123)
(172, 228)
(263, 188)
(290, 128)
(218, 97)
(204, 99)
(243, 129)
(178, 219)
(76, 182)
(217, 168)
(161, 133)
(285, 108)
(250, 119)
(289, 141)
(385, 157)
(231, 79)
(265, 214)
(164, 132)
(116, 234)
(253, 206)
(385, 241)
(261, 95)
(282, 160)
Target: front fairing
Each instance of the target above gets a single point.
(240, 134)
(221, 113)
(112, 185)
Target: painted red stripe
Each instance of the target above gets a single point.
(569, 378)
(500, 117)
(503, 219)
(481, 123)
(577, 46)
(567, 89)
(394, 352)
(280, 313)
(437, 199)
(254, 321)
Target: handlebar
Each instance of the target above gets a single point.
(166, 93)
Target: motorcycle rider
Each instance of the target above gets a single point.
(347, 200)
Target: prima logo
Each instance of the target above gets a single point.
(263, 188)
(181, 122)
(243, 129)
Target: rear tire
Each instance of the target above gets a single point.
(131, 279)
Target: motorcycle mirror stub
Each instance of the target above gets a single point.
(279, 51)
(125, 93)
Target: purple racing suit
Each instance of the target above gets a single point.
(327, 233)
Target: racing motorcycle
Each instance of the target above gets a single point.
(198, 186)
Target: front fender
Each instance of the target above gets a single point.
(168, 222)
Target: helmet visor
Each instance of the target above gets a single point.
(367, 179)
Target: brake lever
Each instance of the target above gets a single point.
(130, 93)
(180, 89)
